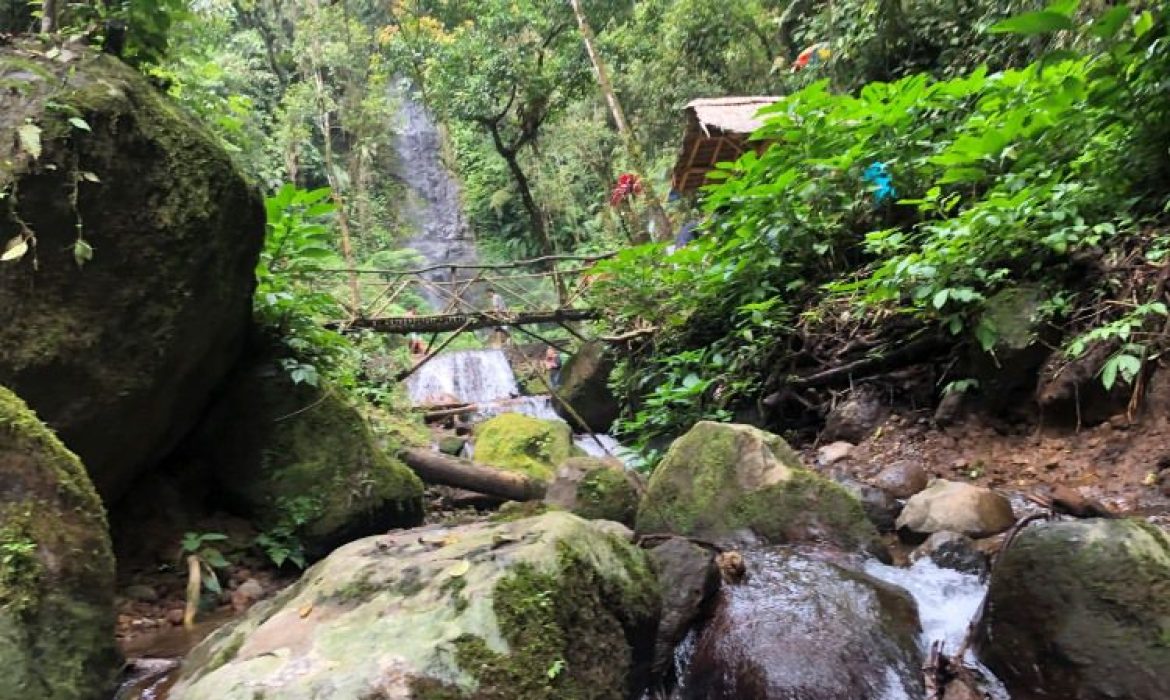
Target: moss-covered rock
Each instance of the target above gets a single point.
(584, 386)
(1081, 610)
(531, 446)
(720, 479)
(544, 608)
(298, 456)
(121, 355)
(56, 568)
(595, 489)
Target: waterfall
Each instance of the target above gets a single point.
(467, 376)
(433, 205)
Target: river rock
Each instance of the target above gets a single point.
(950, 550)
(955, 506)
(881, 508)
(585, 387)
(297, 456)
(56, 568)
(543, 608)
(531, 446)
(724, 480)
(1080, 610)
(119, 353)
(855, 418)
(690, 577)
(1008, 370)
(799, 627)
(828, 455)
(595, 489)
(902, 479)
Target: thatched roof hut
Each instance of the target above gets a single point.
(717, 129)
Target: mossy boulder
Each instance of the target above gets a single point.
(299, 456)
(531, 446)
(1081, 610)
(56, 568)
(584, 386)
(719, 480)
(596, 489)
(120, 353)
(548, 607)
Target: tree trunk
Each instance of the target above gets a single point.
(438, 468)
(48, 16)
(653, 203)
(535, 215)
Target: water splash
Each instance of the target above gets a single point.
(947, 602)
(468, 376)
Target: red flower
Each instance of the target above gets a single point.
(628, 185)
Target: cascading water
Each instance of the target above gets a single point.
(433, 204)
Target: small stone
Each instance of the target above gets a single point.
(881, 508)
(902, 479)
(175, 616)
(1119, 422)
(834, 452)
(141, 593)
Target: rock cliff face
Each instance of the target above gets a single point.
(130, 242)
(56, 568)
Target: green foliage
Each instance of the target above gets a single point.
(1004, 178)
(210, 558)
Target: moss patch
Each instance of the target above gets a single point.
(572, 634)
(607, 494)
(531, 446)
(719, 479)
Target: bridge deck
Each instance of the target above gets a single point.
(468, 321)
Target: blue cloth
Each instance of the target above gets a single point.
(686, 234)
(878, 175)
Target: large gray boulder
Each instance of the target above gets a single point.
(802, 628)
(723, 480)
(1080, 610)
(56, 568)
(585, 387)
(541, 608)
(132, 299)
(596, 489)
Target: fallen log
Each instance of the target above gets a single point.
(437, 468)
(431, 416)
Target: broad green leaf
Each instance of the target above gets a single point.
(30, 139)
(1144, 23)
(1063, 7)
(1032, 23)
(79, 123)
(82, 252)
(1108, 24)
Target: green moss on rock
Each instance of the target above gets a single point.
(294, 455)
(120, 356)
(56, 567)
(719, 479)
(531, 446)
(595, 489)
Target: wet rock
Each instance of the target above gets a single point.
(690, 577)
(902, 479)
(954, 506)
(1080, 609)
(723, 480)
(452, 445)
(585, 387)
(951, 550)
(857, 417)
(595, 489)
(517, 442)
(141, 593)
(487, 609)
(834, 452)
(120, 358)
(56, 568)
(801, 627)
(881, 508)
(246, 594)
(292, 454)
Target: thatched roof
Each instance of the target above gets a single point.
(717, 129)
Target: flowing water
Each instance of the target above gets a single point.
(434, 204)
